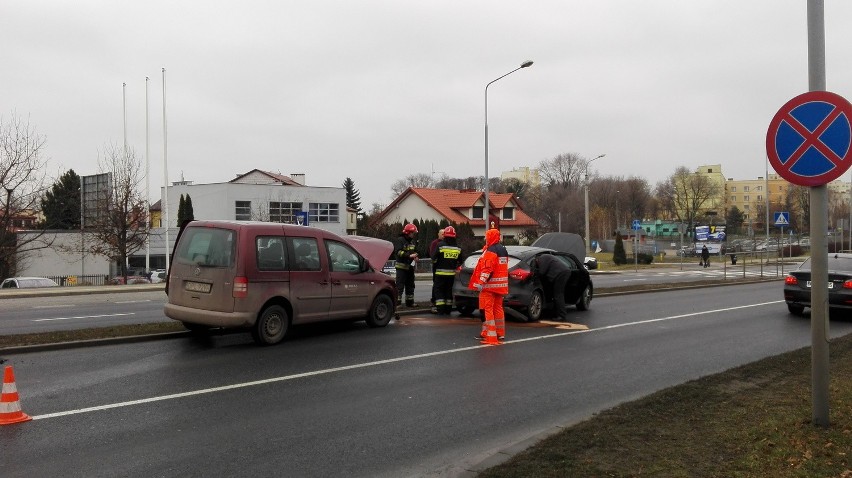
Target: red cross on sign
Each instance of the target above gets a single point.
(809, 141)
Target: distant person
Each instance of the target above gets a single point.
(432, 248)
(555, 274)
(705, 256)
(491, 278)
(405, 261)
(445, 260)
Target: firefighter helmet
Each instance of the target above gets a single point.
(450, 231)
(409, 229)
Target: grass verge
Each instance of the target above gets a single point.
(751, 421)
(89, 334)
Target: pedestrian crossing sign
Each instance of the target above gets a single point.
(782, 218)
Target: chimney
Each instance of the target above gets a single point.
(299, 178)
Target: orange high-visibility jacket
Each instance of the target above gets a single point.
(492, 269)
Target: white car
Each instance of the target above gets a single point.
(27, 283)
(590, 262)
(158, 275)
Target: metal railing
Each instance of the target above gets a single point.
(75, 280)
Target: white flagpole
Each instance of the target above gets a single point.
(147, 188)
(165, 209)
(114, 192)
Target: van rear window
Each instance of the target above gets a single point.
(206, 246)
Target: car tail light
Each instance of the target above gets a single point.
(847, 284)
(791, 280)
(240, 287)
(520, 274)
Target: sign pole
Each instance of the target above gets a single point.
(819, 227)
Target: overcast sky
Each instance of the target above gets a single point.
(377, 90)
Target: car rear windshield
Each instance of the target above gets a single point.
(206, 246)
(835, 263)
(470, 262)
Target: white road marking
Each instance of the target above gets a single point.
(380, 362)
(63, 306)
(133, 301)
(84, 317)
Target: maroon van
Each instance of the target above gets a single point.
(268, 276)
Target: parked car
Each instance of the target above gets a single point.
(389, 268)
(27, 283)
(528, 300)
(131, 279)
(266, 277)
(797, 284)
(158, 275)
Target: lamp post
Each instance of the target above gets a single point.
(486, 209)
(588, 236)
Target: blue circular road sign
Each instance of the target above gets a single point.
(809, 141)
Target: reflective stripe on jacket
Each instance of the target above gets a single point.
(492, 270)
(446, 259)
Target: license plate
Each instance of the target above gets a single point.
(830, 285)
(198, 287)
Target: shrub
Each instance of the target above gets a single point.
(619, 257)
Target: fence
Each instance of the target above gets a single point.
(73, 280)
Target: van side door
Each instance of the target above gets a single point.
(351, 290)
(310, 289)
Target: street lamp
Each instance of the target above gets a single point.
(588, 236)
(486, 210)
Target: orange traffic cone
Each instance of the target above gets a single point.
(490, 334)
(10, 408)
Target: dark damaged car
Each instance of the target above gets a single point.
(528, 299)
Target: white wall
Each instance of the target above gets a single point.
(217, 201)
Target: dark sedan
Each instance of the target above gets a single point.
(797, 285)
(528, 299)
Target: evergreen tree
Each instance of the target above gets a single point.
(353, 197)
(619, 256)
(181, 210)
(61, 204)
(188, 212)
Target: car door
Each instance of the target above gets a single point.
(351, 290)
(310, 289)
(576, 282)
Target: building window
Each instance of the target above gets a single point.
(733, 189)
(746, 207)
(477, 212)
(759, 198)
(745, 198)
(323, 212)
(243, 211)
(733, 199)
(745, 189)
(284, 212)
(508, 213)
(760, 188)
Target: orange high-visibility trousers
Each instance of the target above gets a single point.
(491, 305)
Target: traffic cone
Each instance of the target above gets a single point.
(490, 334)
(10, 408)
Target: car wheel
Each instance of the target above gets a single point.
(796, 309)
(271, 326)
(536, 306)
(381, 312)
(585, 299)
(467, 310)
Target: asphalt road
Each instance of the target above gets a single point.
(417, 398)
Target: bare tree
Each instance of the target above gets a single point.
(419, 180)
(684, 194)
(564, 170)
(120, 230)
(23, 181)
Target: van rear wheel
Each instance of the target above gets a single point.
(271, 326)
(381, 312)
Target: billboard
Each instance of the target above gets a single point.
(710, 233)
(94, 198)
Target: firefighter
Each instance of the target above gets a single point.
(405, 257)
(433, 246)
(445, 260)
(491, 278)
